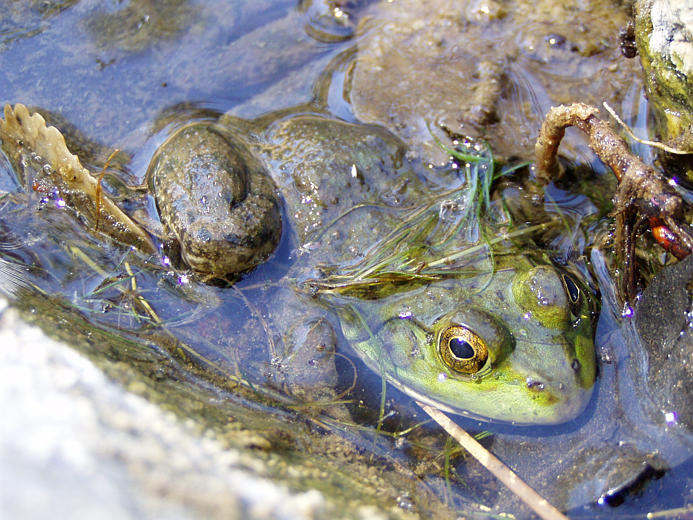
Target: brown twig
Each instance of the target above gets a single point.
(643, 192)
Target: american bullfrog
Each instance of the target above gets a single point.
(499, 335)
(92, 97)
(424, 294)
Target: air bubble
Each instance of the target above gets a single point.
(671, 418)
(627, 311)
(405, 502)
(555, 40)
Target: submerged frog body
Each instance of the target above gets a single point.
(510, 341)
(472, 326)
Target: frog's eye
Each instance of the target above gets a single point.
(573, 292)
(462, 350)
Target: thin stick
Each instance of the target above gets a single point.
(502, 472)
(655, 144)
(99, 188)
(670, 513)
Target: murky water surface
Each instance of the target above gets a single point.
(125, 74)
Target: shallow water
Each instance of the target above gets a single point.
(122, 74)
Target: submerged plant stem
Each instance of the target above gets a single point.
(502, 472)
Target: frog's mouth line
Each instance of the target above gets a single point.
(422, 398)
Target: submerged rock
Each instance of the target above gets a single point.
(484, 69)
(75, 443)
(664, 321)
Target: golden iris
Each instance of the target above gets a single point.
(462, 350)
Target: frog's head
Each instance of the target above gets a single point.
(514, 348)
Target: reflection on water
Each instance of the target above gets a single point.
(114, 70)
(27, 19)
(141, 25)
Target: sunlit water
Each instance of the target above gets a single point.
(122, 74)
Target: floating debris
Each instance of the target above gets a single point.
(45, 164)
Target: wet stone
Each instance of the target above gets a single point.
(447, 74)
(664, 321)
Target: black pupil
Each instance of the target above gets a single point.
(573, 291)
(461, 349)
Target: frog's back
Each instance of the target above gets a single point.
(416, 294)
(326, 167)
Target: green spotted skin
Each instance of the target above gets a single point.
(519, 334)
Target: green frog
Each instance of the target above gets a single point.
(499, 335)
(424, 291)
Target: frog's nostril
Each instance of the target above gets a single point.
(534, 384)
